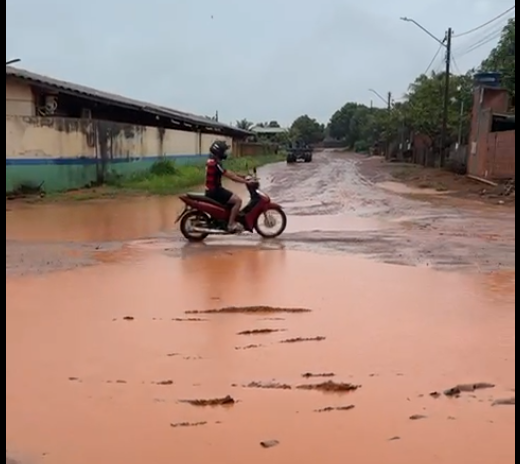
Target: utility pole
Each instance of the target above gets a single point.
(388, 102)
(446, 112)
(389, 125)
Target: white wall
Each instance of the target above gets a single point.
(19, 99)
(35, 137)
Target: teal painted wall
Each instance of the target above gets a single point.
(69, 174)
(67, 153)
(55, 177)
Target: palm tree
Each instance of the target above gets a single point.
(244, 124)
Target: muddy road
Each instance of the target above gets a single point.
(125, 345)
(340, 210)
(332, 209)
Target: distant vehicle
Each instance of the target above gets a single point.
(299, 152)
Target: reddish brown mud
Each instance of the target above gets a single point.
(108, 361)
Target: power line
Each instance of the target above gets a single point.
(479, 46)
(481, 43)
(434, 59)
(456, 65)
(491, 21)
(491, 32)
(441, 67)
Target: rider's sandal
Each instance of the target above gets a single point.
(234, 229)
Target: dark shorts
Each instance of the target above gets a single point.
(220, 195)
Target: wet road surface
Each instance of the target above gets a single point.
(331, 208)
(102, 353)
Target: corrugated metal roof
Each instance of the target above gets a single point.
(268, 130)
(114, 99)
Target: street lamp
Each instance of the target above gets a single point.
(420, 26)
(10, 62)
(446, 43)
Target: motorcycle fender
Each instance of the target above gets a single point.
(272, 206)
(184, 211)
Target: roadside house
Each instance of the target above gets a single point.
(492, 151)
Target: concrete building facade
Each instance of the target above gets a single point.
(65, 136)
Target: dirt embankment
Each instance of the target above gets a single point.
(378, 170)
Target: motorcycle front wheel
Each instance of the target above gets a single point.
(271, 223)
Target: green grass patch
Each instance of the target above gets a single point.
(163, 178)
(168, 178)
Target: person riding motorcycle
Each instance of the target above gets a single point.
(214, 189)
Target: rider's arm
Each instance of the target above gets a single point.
(234, 177)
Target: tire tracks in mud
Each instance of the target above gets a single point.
(376, 223)
(416, 232)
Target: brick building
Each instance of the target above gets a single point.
(493, 136)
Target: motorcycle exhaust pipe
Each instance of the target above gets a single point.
(202, 230)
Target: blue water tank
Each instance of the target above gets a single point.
(488, 79)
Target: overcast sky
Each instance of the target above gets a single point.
(254, 59)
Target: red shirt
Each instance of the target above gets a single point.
(214, 173)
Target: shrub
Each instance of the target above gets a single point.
(362, 146)
(163, 167)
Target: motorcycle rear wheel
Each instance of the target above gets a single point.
(186, 226)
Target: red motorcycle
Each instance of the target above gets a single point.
(203, 216)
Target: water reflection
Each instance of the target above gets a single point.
(99, 220)
(220, 272)
(110, 220)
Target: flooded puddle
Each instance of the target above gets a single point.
(139, 218)
(92, 221)
(162, 360)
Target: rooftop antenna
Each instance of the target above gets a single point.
(10, 62)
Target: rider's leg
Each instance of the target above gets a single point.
(236, 201)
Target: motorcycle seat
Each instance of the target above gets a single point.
(203, 198)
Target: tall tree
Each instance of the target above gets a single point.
(502, 59)
(358, 125)
(424, 108)
(308, 130)
(340, 122)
